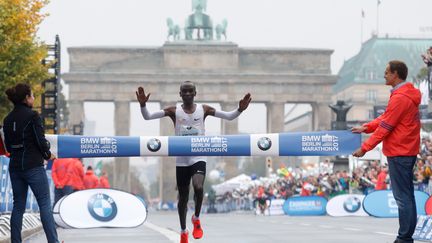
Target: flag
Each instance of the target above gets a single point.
(363, 13)
(98, 169)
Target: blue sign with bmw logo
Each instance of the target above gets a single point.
(102, 207)
(305, 206)
(383, 205)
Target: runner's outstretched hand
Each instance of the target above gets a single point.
(141, 96)
(244, 103)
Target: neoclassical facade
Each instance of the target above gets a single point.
(223, 72)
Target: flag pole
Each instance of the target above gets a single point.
(377, 19)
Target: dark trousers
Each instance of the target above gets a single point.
(37, 179)
(401, 177)
(61, 192)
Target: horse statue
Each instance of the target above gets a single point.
(173, 30)
(221, 29)
(199, 21)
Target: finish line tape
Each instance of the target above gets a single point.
(324, 143)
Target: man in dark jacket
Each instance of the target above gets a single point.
(28, 148)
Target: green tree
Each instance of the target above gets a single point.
(21, 52)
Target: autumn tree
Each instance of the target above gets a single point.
(21, 52)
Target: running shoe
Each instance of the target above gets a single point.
(197, 232)
(184, 237)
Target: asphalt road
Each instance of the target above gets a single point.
(163, 227)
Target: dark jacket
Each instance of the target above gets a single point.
(25, 139)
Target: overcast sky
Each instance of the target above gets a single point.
(330, 24)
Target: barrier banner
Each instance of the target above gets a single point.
(276, 207)
(4, 180)
(305, 206)
(382, 204)
(95, 208)
(346, 205)
(322, 143)
(423, 230)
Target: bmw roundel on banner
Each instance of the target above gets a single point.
(100, 208)
(153, 146)
(382, 204)
(346, 205)
(305, 206)
(264, 144)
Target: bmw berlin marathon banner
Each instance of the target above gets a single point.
(325, 143)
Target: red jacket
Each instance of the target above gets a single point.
(90, 180)
(2, 144)
(381, 181)
(103, 182)
(75, 174)
(59, 171)
(399, 127)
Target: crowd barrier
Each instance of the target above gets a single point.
(379, 204)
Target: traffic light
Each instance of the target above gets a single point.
(49, 102)
(269, 162)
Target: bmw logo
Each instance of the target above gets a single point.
(154, 144)
(102, 207)
(264, 143)
(352, 204)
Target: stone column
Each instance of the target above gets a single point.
(275, 124)
(275, 117)
(167, 168)
(321, 116)
(230, 128)
(76, 112)
(121, 165)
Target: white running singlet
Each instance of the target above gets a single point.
(189, 125)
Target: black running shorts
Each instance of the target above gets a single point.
(184, 173)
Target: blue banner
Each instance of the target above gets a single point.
(305, 206)
(382, 204)
(232, 145)
(4, 182)
(86, 147)
(325, 143)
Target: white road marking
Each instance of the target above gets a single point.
(325, 226)
(352, 229)
(384, 233)
(171, 235)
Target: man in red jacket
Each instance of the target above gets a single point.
(60, 179)
(381, 181)
(399, 130)
(90, 179)
(75, 175)
(103, 181)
